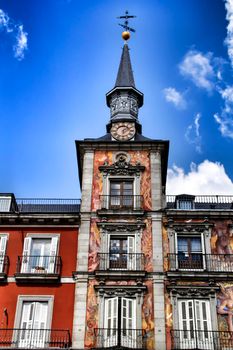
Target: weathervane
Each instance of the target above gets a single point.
(126, 33)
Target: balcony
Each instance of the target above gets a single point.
(4, 265)
(15, 338)
(120, 338)
(129, 265)
(191, 262)
(195, 339)
(45, 269)
(121, 203)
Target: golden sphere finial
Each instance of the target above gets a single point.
(125, 35)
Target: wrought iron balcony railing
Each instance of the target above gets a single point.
(34, 338)
(38, 264)
(201, 339)
(121, 202)
(184, 202)
(112, 337)
(4, 264)
(47, 205)
(121, 261)
(197, 261)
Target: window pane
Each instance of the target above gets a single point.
(195, 244)
(182, 244)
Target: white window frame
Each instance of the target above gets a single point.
(3, 248)
(189, 339)
(32, 298)
(24, 265)
(131, 261)
(190, 235)
(109, 338)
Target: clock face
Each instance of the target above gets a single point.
(123, 131)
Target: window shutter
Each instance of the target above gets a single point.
(111, 322)
(128, 322)
(26, 254)
(3, 241)
(26, 325)
(52, 255)
(131, 258)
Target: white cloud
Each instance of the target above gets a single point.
(175, 97)
(229, 38)
(16, 32)
(192, 134)
(204, 179)
(21, 43)
(225, 118)
(197, 67)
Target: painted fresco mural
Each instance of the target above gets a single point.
(101, 157)
(94, 248)
(221, 242)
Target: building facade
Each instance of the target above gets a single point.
(129, 267)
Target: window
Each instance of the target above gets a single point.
(120, 322)
(33, 321)
(5, 203)
(39, 254)
(122, 252)
(189, 252)
(3, 242)
(121, 193)
(194, 324)
(185, 202)
(33, 324)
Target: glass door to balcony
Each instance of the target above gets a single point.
(32, 332)
(195, 331)
(121, 194)
(189, 253)
(120, 323)
(40, 252)
(122, 253)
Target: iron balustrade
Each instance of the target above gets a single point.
(198, 261)
(34, 338)
(48, 205)
(113, 337)
(121, 202)
(200, 202)
(4, 264)
(201, 339)
(121, 261)
(38, 264)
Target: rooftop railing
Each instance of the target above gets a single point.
(48, 205)
(15, 338)
(201, 339)
(183, 202)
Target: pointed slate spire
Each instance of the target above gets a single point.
(125, 73)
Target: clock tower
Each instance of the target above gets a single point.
(124, 101)
(119, 293)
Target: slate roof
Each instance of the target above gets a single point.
(125, 73)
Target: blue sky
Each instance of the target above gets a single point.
(58, 58)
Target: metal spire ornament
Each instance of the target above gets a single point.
(126, 32)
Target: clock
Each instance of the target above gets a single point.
(123, 131)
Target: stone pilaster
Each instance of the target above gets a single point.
(79, 321)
